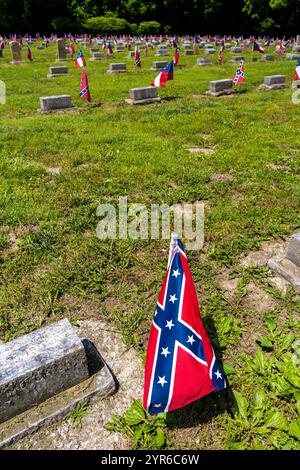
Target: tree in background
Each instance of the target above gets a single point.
(178, 16)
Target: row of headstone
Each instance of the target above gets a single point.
(147, 95)
(162, 51)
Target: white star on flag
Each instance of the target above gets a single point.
(176, 273)
(162, 381)
(172, 298)
(191, 340)
(218, 374)
(165, 351)
(169, 324)
(157, 405)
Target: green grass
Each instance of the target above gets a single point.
(48, 245)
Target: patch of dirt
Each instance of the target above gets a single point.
(278, 167)
(53, 170)
(204, 151)
(13, 235)
(205, 136)
(81, 308)
(207, 150)
(13, 241)
(87, 165)
(258, 299)
(221, 177)
(252, 328)
(268, 250)
(23, 229)
(193, 150)
(128, 369)
(229, 285)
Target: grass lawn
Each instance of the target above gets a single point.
(55, 169)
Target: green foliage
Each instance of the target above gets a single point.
(149, 27)
(265, 420)
(80, 410)
(107, 25)
(61, 24)
(213, 16)
(145, 432)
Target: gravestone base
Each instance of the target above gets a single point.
(268, 58)
(132, 102)
(116, 71)
(202, 61)
(159, 65)
(292, 56)
(97, 56)
(61, 60)
(57, 72)
(189, 52)
(146, 95)
(275, 86)
(99, 385)
(236, 59)
(289, 266)
(273, 82)
(221, 93)
(16, 62)
(117, 68)
(55, 103)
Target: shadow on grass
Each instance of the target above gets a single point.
(170, 98)
(203, 410)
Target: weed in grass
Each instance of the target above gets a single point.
(77, 414)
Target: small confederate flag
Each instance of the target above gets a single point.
(239, 76)
(176, 56)
(109, 48)
(28, 53)
(84, 87)
(297, 71)
(181, 365)
(220, 56)
(137, 58)
(281, 49)
(257, 47)
(71, 49)
(166, 74)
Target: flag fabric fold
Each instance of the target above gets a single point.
(176, 56)
(80, 60)
(109, 48)
(281, 49)
(297, 71)
(220, 56)
(84, 87)
(28, 53)
(239, 75)
(166, 74)
(257, 47)
(181, 365)
(137, 58)
(71, 49)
